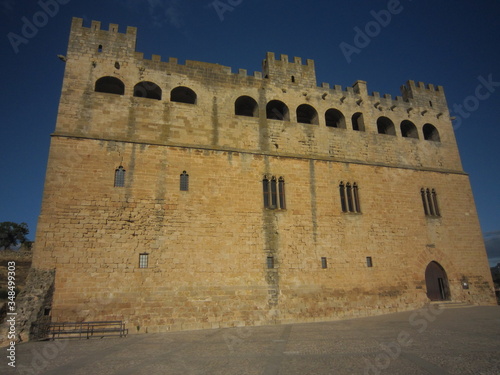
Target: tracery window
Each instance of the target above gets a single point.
(274, 192)
(430, 202)
(349, 197)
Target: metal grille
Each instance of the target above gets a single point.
(143, 260)
(323, 262)
(119, 177)
(184, 181)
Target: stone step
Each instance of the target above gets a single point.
(451, 304)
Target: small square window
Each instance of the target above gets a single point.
(369, 262)
(324, 263)
(143, 260)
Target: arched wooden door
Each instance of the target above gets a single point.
(436, 282)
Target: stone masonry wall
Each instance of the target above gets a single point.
(208, 247)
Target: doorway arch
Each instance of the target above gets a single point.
(436, 282)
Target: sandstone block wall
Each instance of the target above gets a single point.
(208, 247)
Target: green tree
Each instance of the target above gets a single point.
(12, 234)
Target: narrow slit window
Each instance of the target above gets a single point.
(119, 177)
(324, 263)
(356, 197)
(265, 189)
(424, 201)
(274, 193)
(184, 181)
(270, 262)
(349, 197)
(429, 201)
(342, 197)
(281, 189)
(434, 200)
(369, 262)
(143, 260)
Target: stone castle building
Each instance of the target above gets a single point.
(185, 196)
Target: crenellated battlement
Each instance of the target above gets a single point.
(95, 26)
(424, 95)
(291, 74)
(93, 39)
(284, 71)
(285, 90)
(428, 89)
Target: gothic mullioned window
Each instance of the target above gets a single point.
(274, 192)
(349, 197)
(430, 202)
(119, 177)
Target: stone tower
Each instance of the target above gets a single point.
(183, 196)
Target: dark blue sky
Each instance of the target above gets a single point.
(453, 43)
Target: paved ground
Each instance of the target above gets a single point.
(428, 341)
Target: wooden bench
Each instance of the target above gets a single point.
(84, 330)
